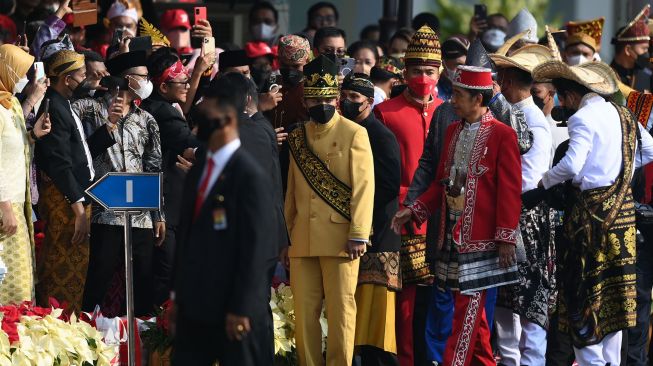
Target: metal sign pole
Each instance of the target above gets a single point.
(129, 286)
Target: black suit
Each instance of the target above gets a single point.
(218, 271)
(176, 136)
(387, 179)
(60, 154)
(260, 141)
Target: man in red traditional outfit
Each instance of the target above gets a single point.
(408, 116)
(476, 248)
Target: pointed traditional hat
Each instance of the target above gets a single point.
(596, 76)
(523, 21)
(477, 56)
(424, 48)
(637, 30)
(578, 30)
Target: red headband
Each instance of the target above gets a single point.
(170, 73)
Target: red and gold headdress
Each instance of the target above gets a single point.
(170, 73)
(576, 30)
(637, 30)
(473, 77)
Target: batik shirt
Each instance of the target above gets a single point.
(137, 149)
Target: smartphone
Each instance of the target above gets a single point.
(480, 11)
(200, 13)
(117, 36)
(46, 109)
(208, 45)
(39, 71)
(346, 65)
(141, 44)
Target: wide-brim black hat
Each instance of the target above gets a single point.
(235, 58)
(119, 64)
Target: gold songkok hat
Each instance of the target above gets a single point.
(64, 62)
(320, 78)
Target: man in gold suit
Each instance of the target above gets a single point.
(329, 205)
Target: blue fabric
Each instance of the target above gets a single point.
(439, 320)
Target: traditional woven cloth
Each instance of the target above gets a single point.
(597, 290)
(535, 295)
(424, 48)
(61, 266)
(641, 104)
(414, 267)
(18, 255)
(380, 269)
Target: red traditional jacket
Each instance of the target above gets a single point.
(492, 191)
(409, 120)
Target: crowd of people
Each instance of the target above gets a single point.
(480, 200)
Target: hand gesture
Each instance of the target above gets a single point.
(268, 101)
(284, 259)
(203, 29)
(401, 218)
(281, 136)
(81, 224)
(35, 90)
(42, 126)
(64, 9)
(355, 249)
(204, 62)
(477, 26)
(8, 222)
(506, 254)
(183, 164)
(21, 42)
(159, 233)
(237, 327)
(124, 45)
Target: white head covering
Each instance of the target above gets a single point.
(118, 9)
(522, 21)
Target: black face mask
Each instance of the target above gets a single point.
(350, 109)
(205, 126)
(291, 76)
(643, 61)
(322, 113)
(539, 102)
(259, 76)
(562, 114)
(83, 90)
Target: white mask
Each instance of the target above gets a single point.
(263, 31)
(20, 85)
(576, 60)
(144, 90)
(494, 38)
(451, 74)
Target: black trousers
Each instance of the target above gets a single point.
(372, 356)
(201, 344)
(637, 353)
(106, 253)
(163, 261)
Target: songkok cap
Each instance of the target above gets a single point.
(596, 76)
(320, 78)
(122, 8)
(51, 48)
(258, 49)
(294, 48)
(359, 83)
(637, 30)
(477, 56)
(124, 61)
(523, 21)
(581, 38)
(174, 18)
(148, 29)
(473, 77)
(454, 47)
(424, 49)
(387, 68)
(235, 58)
(63, 62)
(592, 28)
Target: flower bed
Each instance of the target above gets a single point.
(39, 336)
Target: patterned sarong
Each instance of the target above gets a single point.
(535, 296)
(598, 294)
(414, 267)
(381, 269)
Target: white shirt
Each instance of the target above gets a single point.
(594, 158)
(538, 159)
(87, 152)
(13, 142)
(220, 159)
